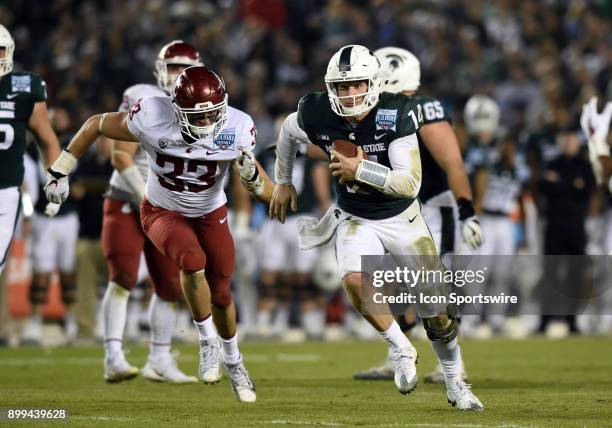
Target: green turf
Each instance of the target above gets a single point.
(521, 383)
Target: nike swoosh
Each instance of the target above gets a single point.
(379, 136)
(211, 153)
(412, 219)
(223, 221)
(11, 96)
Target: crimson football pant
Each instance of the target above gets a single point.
(195, 244)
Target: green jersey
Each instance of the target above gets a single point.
(395, 116)
(18, 94)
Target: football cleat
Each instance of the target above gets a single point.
(117, 369)
(210, 352)
(165, 369)
(405, 377)
(241, 382)
(32, 331)
(460, 395)
(437, 376)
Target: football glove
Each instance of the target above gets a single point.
(57, 188)
(52, 209)
(249, 174)
(470, 225)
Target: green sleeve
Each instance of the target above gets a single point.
(434, 111)
(410, 118)
(38, 89)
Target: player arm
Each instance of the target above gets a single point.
(481, 179)
(288, 143)
(254, 178)
(404, 179)
(122, 159)
(40, 125)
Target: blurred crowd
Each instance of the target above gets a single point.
(539, 60)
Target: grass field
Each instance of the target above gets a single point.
(521, 383)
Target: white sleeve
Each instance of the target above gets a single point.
(289, 139)
(139, 116)
(405, 178)
(249, 136)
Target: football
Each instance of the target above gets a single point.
(346, 148)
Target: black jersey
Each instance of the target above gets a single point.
(395, 116)
(18, 94)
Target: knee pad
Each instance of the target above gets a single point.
(442, 328)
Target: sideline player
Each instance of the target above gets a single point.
(23, 105)
(190, 140)
(385, 219)
(123, 241)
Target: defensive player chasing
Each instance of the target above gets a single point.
(123, 241)
(23, 106)
(190, 141)
(385, 219)
(445, 190)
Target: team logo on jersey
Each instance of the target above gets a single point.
(322, 137)
(386, 119)
(21, 83)
(163, 143)
(225, 140)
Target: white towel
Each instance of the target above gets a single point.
(314, 232)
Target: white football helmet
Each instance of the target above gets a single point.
(481, 115)
(6, 42)
(401, 69)
(351, 63)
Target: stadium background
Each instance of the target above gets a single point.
(540, 60)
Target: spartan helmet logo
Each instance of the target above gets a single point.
(395, 61)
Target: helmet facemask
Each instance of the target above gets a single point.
(369, 99)
(188, 117)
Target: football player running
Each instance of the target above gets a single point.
(445, 190)
(190, 140)
(123, 241)
(385, 219)
(23, 106)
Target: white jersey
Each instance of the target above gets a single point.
(187, 178)
(130, 96)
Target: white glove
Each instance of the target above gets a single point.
(249, 174)
(52, 209)
(472, 232)
(57, 189)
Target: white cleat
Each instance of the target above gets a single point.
(437, 376)
(460, 395)
(241, 382)
(164, 369)
(32, 331)
(210, 368)
(117, 369)
(405, 378)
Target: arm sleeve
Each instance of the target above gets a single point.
(39, 89)
(405, 177)
(289, 139)
(137, 116)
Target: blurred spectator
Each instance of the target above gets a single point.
(90, 181)
(567, 186)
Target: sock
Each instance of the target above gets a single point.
(231, 354)
(395, 337)
(281, 320)
(449, 357)
(206, 328)
(264, 318)
(114, 310)
(162, 320)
